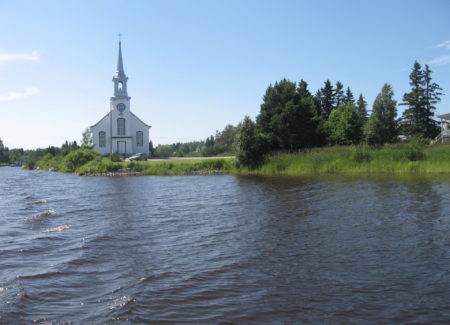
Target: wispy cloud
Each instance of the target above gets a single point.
(13, 95)
(440, 60)
(445, 44)
(13, 57)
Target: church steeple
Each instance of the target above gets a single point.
(119, 69)
(120, 79)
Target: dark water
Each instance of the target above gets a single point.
(223, 250)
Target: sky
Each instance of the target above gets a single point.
(195, 66)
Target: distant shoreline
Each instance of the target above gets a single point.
(346, 160)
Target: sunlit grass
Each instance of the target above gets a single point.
(398, 158)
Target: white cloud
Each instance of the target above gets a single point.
(13, 57)
(13, 95)
(445, 44)
(441, 60)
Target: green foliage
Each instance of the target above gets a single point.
(417, 119)
(251, 146)
(362, 154)
(98, 165)
(326, 99)
(76, 159)
(390, 158)
(115, 157)
(361, 108)
(339, 97)
(344, 126)
(288, 117)
(382, 125)
(349, 98)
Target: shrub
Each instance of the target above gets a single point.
(78, 158)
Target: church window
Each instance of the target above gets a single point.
(120, 126)
(120, 85)
(102, 139)
(140, 138)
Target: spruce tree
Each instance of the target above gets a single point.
(361, 109)
(327, 99)
(339, 97)
(349, 99)
(432, 95)
(382, 126)
(417, 118)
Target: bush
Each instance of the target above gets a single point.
(115, 157)
(78, 158)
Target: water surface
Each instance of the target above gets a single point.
(223, 250)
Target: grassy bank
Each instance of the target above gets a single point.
(389, 159)
(398, 159)
(87, 162)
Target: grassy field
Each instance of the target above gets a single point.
(389, 159)
(398, 159)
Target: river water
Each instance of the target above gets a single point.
(223, 250)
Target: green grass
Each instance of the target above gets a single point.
(411, 158)
(398, 158)
(162, 168)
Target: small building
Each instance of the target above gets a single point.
(444, 135)
(120, 131)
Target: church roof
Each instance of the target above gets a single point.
(132, 114)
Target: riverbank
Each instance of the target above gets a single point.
(389, 159)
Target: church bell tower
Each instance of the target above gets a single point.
(120, 79)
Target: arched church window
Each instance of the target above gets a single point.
(120, 126)
(140, 138)
(120, 85)
(102, 139)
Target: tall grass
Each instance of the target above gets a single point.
(411, 158)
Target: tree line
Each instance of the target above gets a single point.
(291, 118)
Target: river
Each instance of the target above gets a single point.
(223, 249)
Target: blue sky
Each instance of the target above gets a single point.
(196, 66)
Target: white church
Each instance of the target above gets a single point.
(120, 131)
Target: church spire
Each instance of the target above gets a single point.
(120, 79)
(119, 70)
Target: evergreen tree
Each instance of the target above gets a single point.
(344, 126)
(302, 90)
(339, 97)
(287, 116)
(432, 91)
(349, 99)
(361, 109)
(327, 99)
(417, 118)
(382, 126)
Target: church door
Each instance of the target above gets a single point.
(121, 147)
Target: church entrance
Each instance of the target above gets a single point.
(121, 147)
